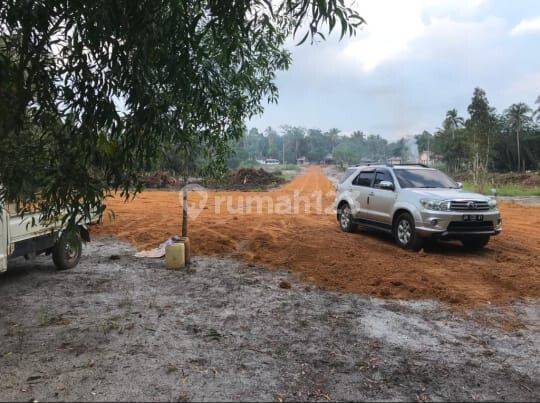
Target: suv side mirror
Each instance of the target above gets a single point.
(387, 185)
(460, 185)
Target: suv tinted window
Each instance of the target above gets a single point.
(364, 178)
(382, 176)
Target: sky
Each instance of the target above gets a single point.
(409, 64)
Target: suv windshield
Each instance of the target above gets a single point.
(423, 178)
(347, 174)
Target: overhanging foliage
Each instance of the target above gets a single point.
(89, 90)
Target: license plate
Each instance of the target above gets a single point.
(473, 217)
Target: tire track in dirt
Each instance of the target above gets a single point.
(311, 245)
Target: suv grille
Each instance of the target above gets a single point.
(470, 226)
(468, 205)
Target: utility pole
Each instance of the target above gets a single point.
(428, 152)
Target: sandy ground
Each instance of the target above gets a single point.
(123, 328)
(311, 245)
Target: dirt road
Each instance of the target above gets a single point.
(293, 227)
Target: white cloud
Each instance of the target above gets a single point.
(527, 26)
(458, 9)
(393, 25)
(386, 35)
(467, 43)
(525, 88)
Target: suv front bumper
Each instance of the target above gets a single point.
(449, 224)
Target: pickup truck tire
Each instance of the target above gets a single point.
(345, 218)
(405, 233)
(67, 250)
(475, 242)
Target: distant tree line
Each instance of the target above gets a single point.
(487, 140)
(483, 141)
(315, 145)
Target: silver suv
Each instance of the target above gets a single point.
(414, 202)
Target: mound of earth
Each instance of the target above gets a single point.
(248, 178)
(158, 180)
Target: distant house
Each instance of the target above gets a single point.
(428, 158)
(328, 159)
(424, 158)
(394, 160)
(301, 160)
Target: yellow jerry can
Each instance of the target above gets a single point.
(175, 256)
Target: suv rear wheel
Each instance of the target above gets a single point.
(405, 233)
(345, 218)
(475, 242)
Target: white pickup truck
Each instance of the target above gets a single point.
(19, 237)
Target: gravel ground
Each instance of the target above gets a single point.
(121, 328)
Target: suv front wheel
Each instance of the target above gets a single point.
(345, 218)
(405, 233)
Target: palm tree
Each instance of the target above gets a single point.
(517, 115)
(453, 121)
(333, 134)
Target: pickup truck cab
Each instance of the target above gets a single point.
(27, 236)
(414, 202)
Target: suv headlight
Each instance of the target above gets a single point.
(435, 205)
(492, 203)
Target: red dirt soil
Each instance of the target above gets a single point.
(312, 245)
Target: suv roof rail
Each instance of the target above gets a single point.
(382, 164)
(408, 164)
(367, 164)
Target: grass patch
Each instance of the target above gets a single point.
(503, 190)
(281, 167)
(290, 167)
(286, 172)
(249, 164)
(287, 176)
(48, 318)
(171, 368)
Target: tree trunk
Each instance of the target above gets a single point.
(185, 209)
(518, 152)
(487, 154)
(476, 166)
